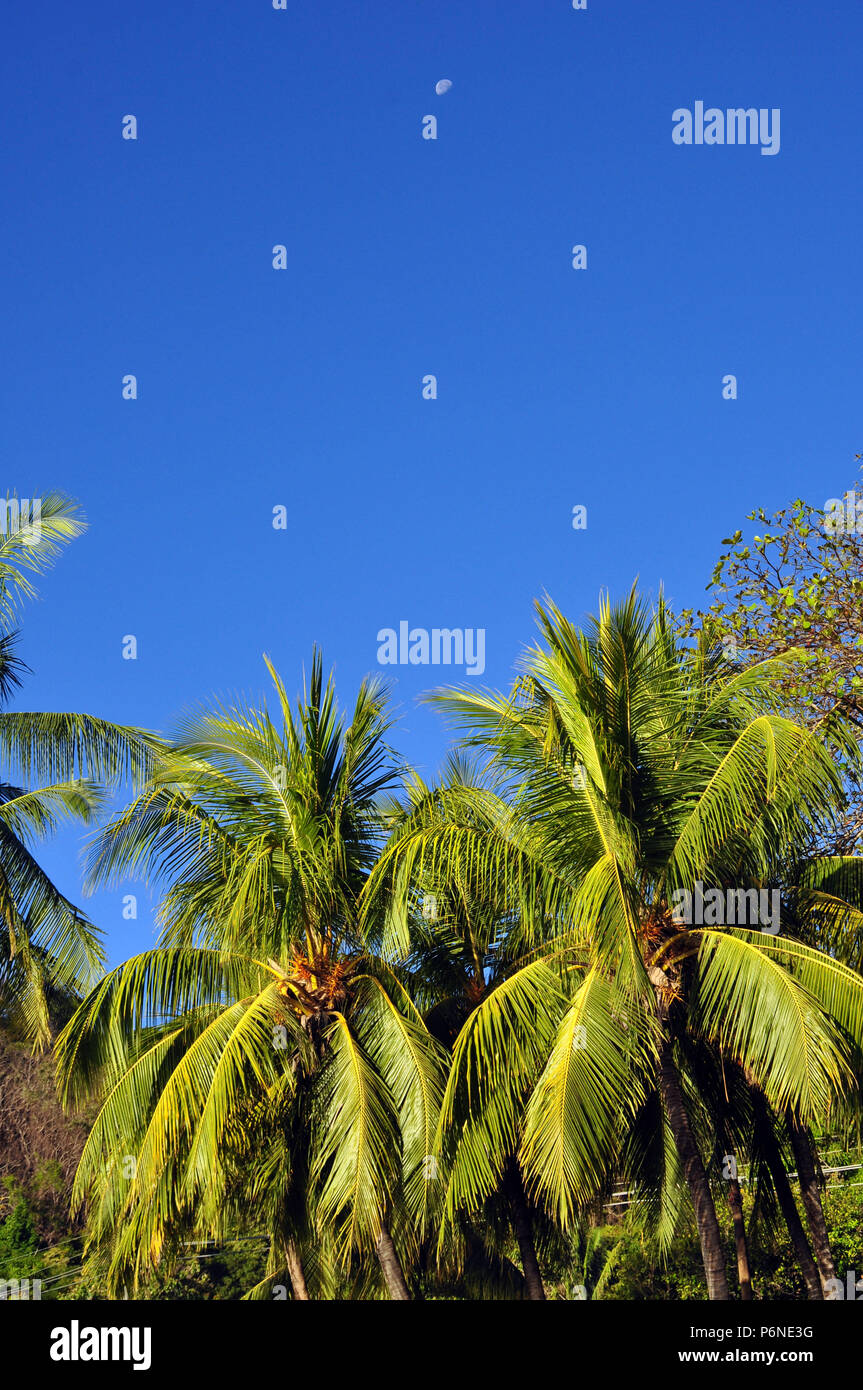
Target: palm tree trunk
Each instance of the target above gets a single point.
(709, 1233)
(297, 1273)
(391, 1266)
(523, 1228)
(744, 1276)
(776, 1167)
(810, 1191)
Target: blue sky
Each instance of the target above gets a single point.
(406, 257)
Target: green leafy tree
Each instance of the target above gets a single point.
(18, 1237)
(794, 584)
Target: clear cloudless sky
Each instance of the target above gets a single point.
(406, 257)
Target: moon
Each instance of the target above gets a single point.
(442, 86)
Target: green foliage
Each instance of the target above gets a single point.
(795, 586)
(48, 1180)
(641, 1271)
(18, 1238)
(843, 1209)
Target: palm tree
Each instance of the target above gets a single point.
(636, 767)
(261, 1048)
(825, 910)
(458, 947)
(56, 768)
